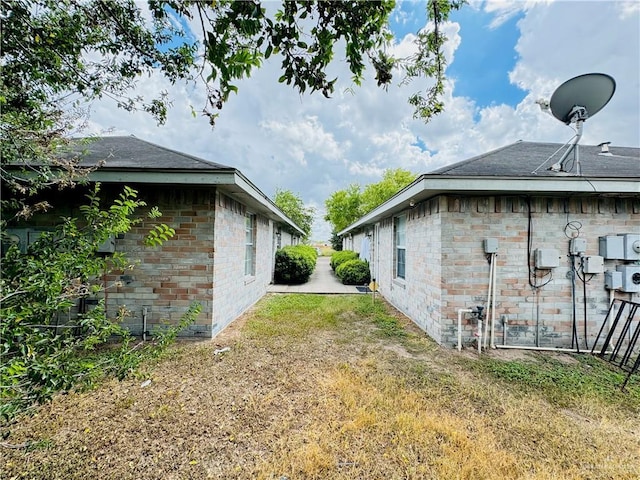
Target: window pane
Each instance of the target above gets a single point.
(401, 223)
(401, 262)
(400, 246)
(250, 247)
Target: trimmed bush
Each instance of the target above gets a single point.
(343, 256)
(354, 272)
(295, 264)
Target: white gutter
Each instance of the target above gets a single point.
(428, 186)
(164, 177)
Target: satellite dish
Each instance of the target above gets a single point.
(582, 97)
(573, 102)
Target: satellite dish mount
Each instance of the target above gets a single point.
(575, 101)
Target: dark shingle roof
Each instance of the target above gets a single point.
(520, 159)
(133, 153)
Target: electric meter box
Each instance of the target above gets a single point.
(577, 246)
(612, 280)
(490, 245)
(593, 264)
(612, 247)
(546, 258)
(630, 278)
(631, 246)
(108, 246)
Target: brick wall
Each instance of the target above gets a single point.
(209, 245)
(167, 279)
(419, 294)
(447, 268)
(233, 291)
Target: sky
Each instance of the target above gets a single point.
(502, 57)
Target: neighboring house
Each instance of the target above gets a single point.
(227, 232)
(429, 257)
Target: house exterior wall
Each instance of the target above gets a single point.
(447, 268)
(234, 291)
(203, 262)
(167, 279)
(419, 294)
(356, 240)
(286, 239)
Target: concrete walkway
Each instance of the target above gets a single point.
(323, 280)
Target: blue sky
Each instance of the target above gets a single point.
(503, 56)
(484, 58)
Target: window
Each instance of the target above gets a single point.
(399, 244)
(250, 244)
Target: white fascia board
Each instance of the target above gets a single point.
(164, 177)
(404, 196)
(426, 186)
(253, 191)
(573, 184)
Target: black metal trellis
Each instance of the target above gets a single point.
(620, 346)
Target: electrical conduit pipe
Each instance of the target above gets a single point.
(493, 302)
(489, 291)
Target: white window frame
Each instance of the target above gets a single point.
(400, 247)
(249, 244)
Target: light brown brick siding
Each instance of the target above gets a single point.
(447, 268)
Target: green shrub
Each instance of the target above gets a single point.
(343, 256)
(295, 264)
(354, 272)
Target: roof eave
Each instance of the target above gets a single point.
(428, 186)
(230, 179)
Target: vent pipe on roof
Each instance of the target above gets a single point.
(604, 149)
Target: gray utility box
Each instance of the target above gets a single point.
(108, 246)
(630, 278)
(593, 264)
(577, 246)
(546, 258)
(490, 245)
(612, 280)
(631, 246)
(612, 247)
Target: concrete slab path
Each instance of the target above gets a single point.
(322, 280)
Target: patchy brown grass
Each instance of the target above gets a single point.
(325, 387)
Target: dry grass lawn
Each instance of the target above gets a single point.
(331, 387)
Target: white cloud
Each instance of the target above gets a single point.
(314, 146)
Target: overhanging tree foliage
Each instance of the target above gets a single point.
(346, 206)
(293, 207)
(56, 53)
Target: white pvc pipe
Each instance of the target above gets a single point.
(460, 312)
(545, 349)
(612, 313)
(488, 309)
(493, 302)
(480, 336)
